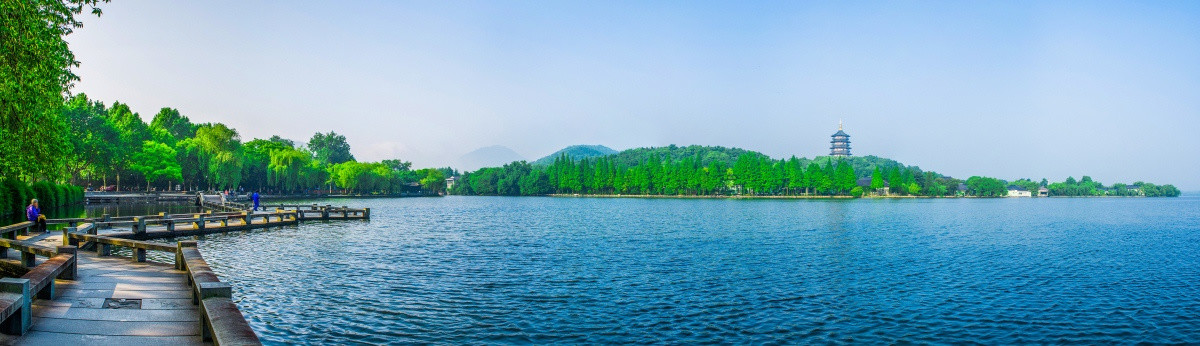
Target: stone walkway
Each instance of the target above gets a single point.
(157, 307)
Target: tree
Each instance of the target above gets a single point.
(876, 180)
(35, 72)
(178, 126)
(91, 140)
(220, 149)
(330, 148)
(434, 181)
(156, 161)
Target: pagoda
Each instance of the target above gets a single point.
(840, 145)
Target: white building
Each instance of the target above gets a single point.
(1017, 191)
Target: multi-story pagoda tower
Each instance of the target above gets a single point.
(840, 145)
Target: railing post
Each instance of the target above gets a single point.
(28, 259)
(139, 254)
(20, 321)
(103, 249)
(325, 212)
(139, 225)
(72, 270)
(366, 213)
(67, 240)
(179, 262)
(246, 218)
(211, 290)
(200, 222)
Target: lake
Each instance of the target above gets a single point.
(458, 270)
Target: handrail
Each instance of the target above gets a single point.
(104, 244)
(13, 229)
(220, 319)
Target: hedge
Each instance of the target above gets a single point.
(15, 195)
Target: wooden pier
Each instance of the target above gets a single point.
(73, 296)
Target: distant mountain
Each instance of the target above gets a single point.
(576, 152)
(493, 156)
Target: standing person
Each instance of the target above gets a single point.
(34, 214)
(255, 198)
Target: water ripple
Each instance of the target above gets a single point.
(478, 270)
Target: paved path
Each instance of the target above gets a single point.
(79, 314)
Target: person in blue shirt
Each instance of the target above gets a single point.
(254, 196)
(34, 215)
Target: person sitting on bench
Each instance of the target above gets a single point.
(34, 214)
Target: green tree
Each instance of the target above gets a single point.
(876, 180)
(156, 161)
(220, 150)
(330, 148)
(35, 72)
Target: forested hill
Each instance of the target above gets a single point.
(706, 155)
(576, 152)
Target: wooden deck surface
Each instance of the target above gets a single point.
(79, 316)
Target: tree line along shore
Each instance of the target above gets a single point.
(720, 171)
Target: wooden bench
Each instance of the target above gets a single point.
(61, 266)
(16, 314)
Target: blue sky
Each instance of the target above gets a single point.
(1005, 89)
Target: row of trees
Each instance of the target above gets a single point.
(114, 142)
(711, 171)
(701, 174)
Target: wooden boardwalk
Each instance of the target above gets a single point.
(157, 307)
(99, 299)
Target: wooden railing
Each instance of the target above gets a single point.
(12, 230)
(220, 320)
(325, 211)
(87, 233)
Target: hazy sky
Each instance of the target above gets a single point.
(1005, 89)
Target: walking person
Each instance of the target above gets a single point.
(34, 215)
(254, 196)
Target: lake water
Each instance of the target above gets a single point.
(460, 270)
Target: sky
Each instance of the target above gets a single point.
(1005, 89)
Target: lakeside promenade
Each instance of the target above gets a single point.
(81, 293)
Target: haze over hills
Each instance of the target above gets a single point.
(576, 152)
(496, 155)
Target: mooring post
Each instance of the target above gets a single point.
(246, 218)
(366, 213)
(200, 222)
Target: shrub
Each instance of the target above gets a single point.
(44, 192)
(5, 200)
(857, 191)
(18, 195)
(60, 194)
